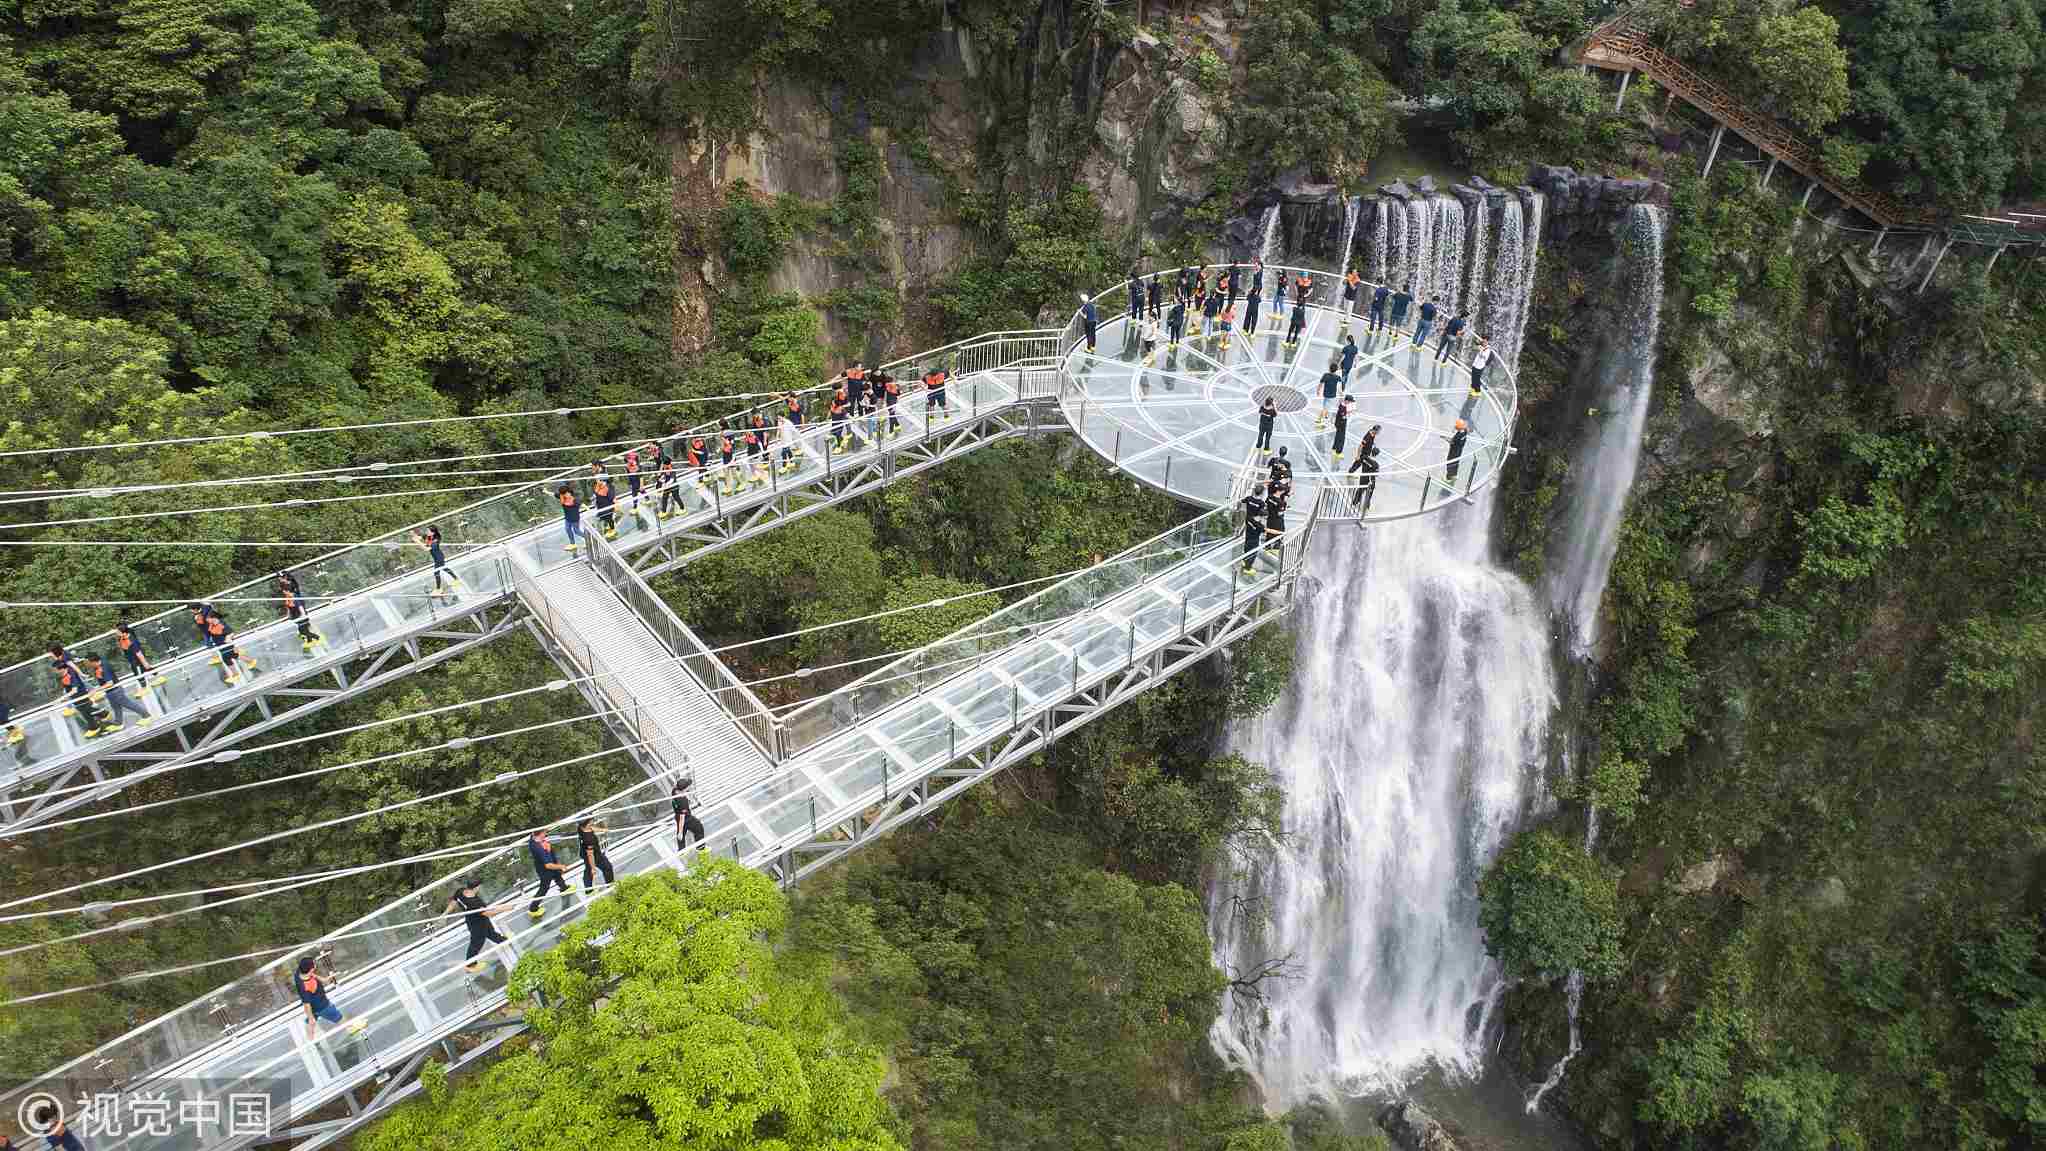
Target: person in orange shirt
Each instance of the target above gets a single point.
(841, 435)
(934, 394)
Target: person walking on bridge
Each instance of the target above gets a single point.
(430, 540)
(1254, 513)
(231, 657)
(476, 916)
(571, 517)
(841, 408)
(607, 500)
(791, 431)
(292, 600)
(1349, 354)
(108, 688)
(669, 491)
(1365, 468)
(130, 645)
(686, 824)
(590, 847)
(78, 692)
(312, 992)
(552, 871)
(934, 395)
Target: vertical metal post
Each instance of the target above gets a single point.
(1168, 473)
(1806, 202)
(1015, 704)
(1235, 571)
(828, 437)
(1183, 601)
(1132, 660)
(1718, 133)
(1878, 245)
(1076, 671)
(1769, 171)
(952, 733)
(1991, 266)
(1624, 78)
(813, 816)
(1117, 457)
(884, 779)
(1935, 265)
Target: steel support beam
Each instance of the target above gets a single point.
(1718, 134)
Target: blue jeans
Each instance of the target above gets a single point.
(1377, 316)
(330, 1013)
(574, 528)
(1421, 333)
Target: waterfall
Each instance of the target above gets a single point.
(1604, 469)
(1268, 251)
(1474, 296)
(1449, 233)
(1530, 258)
(1396, 216)
(1381, 213)
(1406, 748)
(1350, 210)
(1420, 246)
(1502, 291)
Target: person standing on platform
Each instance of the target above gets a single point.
(1428, 313)
(571, 517)
(934, 395)
(476, 916)
(1267, 415)
(589, 845)
(1232, 285)
(1450, 333)
(856, 387)
(1257, 280)
(1147, 338)
(551, 871)
(1379, 295)
(1351, 283)
(1400, 301)
(1251, 302)
(1156, 287)
(1175, 323)
(891, 394)
(1480, 360)
(841, 408)
(1279, 299)
(1342, 430)
(1349, 354)
(756, 451)
(1275, 515)
(1087, 320)
(686, 823)
(1136, 286)
(1299, 321)
(1456, 443)
(431, 541)
(1365, 468)
(1331, 382)
(1253, 525)
(1211, 308)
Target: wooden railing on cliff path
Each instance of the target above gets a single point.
(1620, 46)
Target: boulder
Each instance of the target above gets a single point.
(1425, 185)
(1413, 1129)
(1702, 877)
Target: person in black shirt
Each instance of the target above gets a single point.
(1365, 468)
(685, 823)
(430, 540)
(1254, 513)
(1267, 414)
(1342, 430)
(1251, 303)
(591, 849)
(1378, 298)
(1330, 383)
(292, 602)
(1456, 442)
(476, 914)
(1450, 334)
(55, 1133)
(1175, 322)
(1156, 287)
(1299, 320)
(1275, 521)
(1400, 301)
(549, 869)
(1282, 472)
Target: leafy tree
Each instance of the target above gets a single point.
(1800, 63)
(680, 1029)
(927, 624)
(1547, 907)
(1792, 1111)
(1308, 100)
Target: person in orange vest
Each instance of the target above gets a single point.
(934, 394)
(293, 599)
(632, 481)
(729, 480)
(571, 517)
(231, 656)
(891, 391)
(130, 646)
(840, 406)
(78, 692)
(792, 431)
(856, 388)
(106, 687)
(693, 462)
(606, 502)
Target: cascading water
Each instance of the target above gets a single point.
(1268, 249)
(1381, 211)
(1604, 470)
(1350, 210)
(1481, 256)
(1503, 289)
(1530, 257)
(1420, 246)
(1396, 217)
(1449, 235)
(1406, 749)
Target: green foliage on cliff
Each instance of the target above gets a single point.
(666, 1017)
(1307, 99)
(1548, 908)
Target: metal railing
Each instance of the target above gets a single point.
(717, 680)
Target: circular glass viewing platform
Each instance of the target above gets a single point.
(1185, 420)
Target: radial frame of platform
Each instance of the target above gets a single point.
(1185, 422)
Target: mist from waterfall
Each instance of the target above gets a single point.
(1407, 748)
(1603, 472)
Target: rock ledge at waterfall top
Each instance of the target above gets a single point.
(1413, 1129)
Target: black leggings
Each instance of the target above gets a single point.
(602, 863)
(1264, 434)
(686, 826)
(669, 495)
(478, 936)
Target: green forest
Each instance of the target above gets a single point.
(1824, 669)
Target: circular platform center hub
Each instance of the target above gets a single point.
(1285, 397)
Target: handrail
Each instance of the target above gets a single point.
(1625, 41)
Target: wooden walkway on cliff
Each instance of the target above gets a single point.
(1621, 46)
